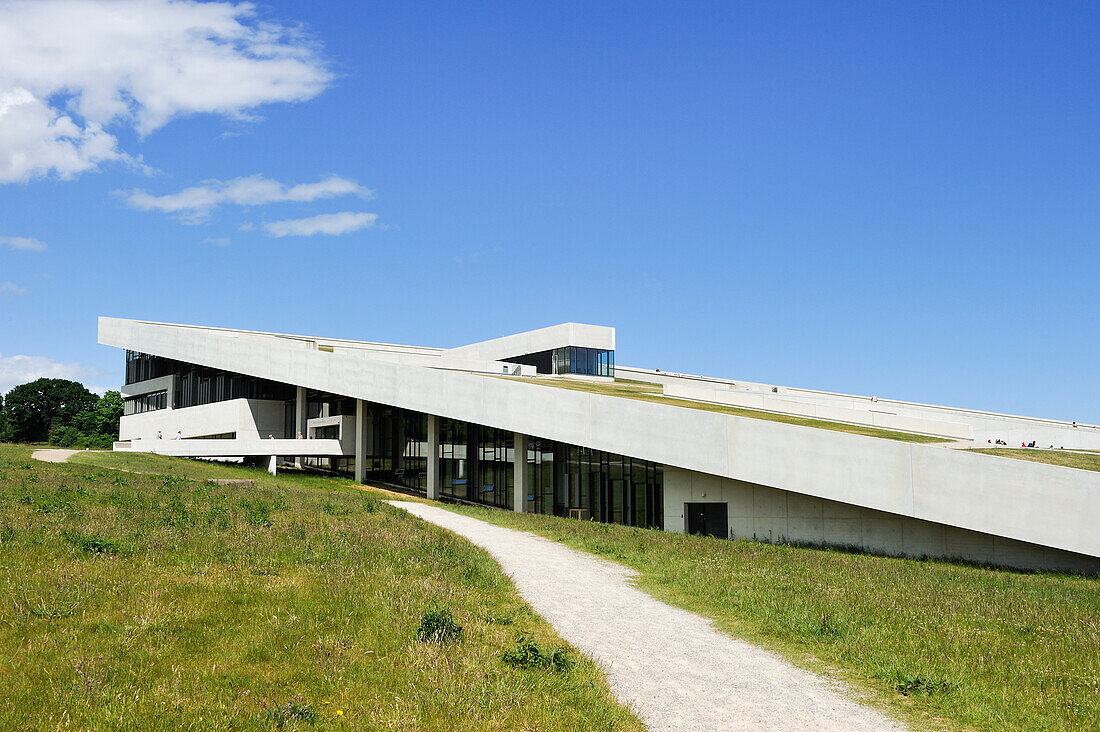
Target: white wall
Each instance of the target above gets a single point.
(346, 423)
(866, 416)
(535, 341)
(977, 425)
(769, 514)
(249, 418)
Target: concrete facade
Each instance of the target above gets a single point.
(248, 418)
(1016, 501)
(778, 516)
(962, 424)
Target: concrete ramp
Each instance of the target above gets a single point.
(235, 448)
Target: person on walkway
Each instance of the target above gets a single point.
(159, 435)
(179, 434)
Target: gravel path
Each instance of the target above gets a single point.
(669, 665)
(53, 456)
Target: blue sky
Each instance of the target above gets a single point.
(889, 198)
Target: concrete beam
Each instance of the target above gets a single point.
(433, 457)
(301, 416)
(519, 463)
(360, 440)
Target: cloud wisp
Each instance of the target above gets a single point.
(24, 243)
(16, 370)
(8, 290)
(331, 224)
(195, 204)
(72, 68)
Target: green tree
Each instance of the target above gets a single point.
(63, 435)
(32, 410)
(108, 412)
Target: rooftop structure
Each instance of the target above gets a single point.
(547, 422)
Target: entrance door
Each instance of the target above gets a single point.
(707, 519)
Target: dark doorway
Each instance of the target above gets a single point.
(708, 519)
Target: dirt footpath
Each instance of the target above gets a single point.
(672, 667)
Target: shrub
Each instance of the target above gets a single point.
(529, 654)
(294, 710)
(63, 436)
(437, 626)
(910, 684)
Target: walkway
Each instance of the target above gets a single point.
(53, 456)
(669, 665)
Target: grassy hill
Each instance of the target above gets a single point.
(944, 644)
(163, 601)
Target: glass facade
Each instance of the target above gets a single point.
(142, 367)
(396, 443)
(570, 360)
(475, 464)
(585, 361)
(195, 385)
(145, 403)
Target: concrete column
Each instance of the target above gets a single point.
(519, 463)
(433, 457)
(360, 440)
(300, 415)
(272, 464)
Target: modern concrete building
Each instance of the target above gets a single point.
(547, 422)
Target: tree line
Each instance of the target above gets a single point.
(60, 412)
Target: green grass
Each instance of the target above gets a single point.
(943, 644)
(652, 393)
(1082, 461)
(158, 601)
(144, 462)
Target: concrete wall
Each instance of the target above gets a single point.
(977, 425)
(774, 515)
(346, 423)
(830, 412)
(249, 418)
(536, 341)
(1030, 502)
(161, 383)
(236, 448)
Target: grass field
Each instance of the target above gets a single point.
(1081, 460)
(161, 601)
(652, 393)
(944, 644)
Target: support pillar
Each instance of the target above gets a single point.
(301, 413)
(360, 440)
(519, 463)
(272, 464)
(433, 457)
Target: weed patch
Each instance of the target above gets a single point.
(529, 654)
(294, 710)
(94, 544)
(437, 626)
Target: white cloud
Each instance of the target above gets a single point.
(221, 241)
(194, 204)
(35, 140)
(9, 290)
(16, 370)
(332, 224)
(22, 242)
(71, 68)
